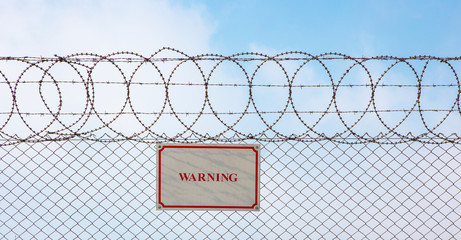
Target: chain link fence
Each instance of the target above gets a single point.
(82, 189)
(338, 168)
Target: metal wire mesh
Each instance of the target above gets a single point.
(75, 165)
(82, 189)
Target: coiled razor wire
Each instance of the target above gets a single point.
(16, 113)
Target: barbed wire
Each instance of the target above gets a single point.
(37, 93)
(213, 57)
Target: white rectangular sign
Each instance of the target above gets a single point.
(208, 177)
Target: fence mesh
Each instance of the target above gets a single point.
(82, 189)
(334, 169)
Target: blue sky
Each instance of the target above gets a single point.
(356, 28)
(400, 28)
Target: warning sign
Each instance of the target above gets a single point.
(208, 177)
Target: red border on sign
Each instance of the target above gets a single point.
(198, 146)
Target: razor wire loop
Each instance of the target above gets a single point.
(107, 124)
(188, 128)
(293, 105)
(392, 129)
(448, 113)
(89, 62)
(147, 128)
(270, 126)
(335, 89)
(45, 72)
(56, 116)
(216, 114)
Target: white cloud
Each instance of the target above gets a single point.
(50, 27)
